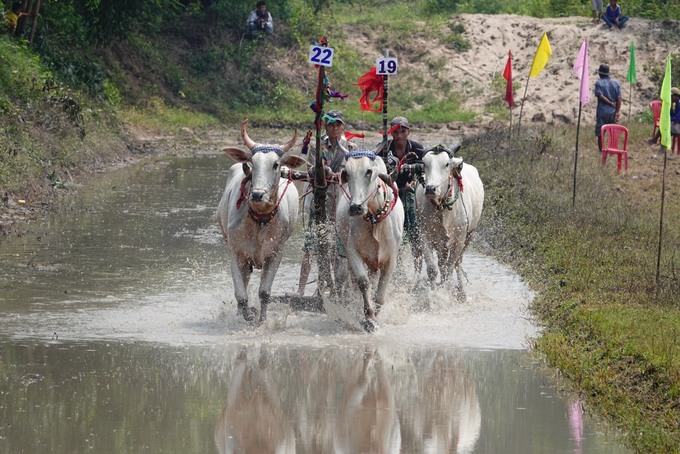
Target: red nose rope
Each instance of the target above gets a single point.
(261, 219)
(449, 200)
(380, 215)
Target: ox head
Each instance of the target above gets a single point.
(439, 167)
(263, 164)
(363, 169)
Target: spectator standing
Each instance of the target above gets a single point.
(597, 7)
(260, 20)
(613, 15)
(608, 94)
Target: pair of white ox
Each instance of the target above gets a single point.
(257, 221)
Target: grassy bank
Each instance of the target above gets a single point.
(48, 132)
(611, 329)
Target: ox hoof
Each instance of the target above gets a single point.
(370, 325)
(248, 313)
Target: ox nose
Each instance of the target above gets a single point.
(356, 210)
(429, 190)
(256, 196)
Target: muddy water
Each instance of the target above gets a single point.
(119, 333)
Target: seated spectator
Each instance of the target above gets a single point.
(613, 15)
(260, 20)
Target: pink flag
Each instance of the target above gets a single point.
(581, 71)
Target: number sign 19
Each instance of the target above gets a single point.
(319, 55)
(386, 66)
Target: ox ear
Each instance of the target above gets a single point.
(456, 165)
(343, 177)
(294, 161)
(455, 148)
(238, 155)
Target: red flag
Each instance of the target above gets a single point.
(353, 135)
(369, 83)
(507, 74)
(389, 131)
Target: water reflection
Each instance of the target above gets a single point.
(263, 398)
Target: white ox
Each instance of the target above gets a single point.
(256, 214)
(449, 209)
(370, 222)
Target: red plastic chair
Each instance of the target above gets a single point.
(611, 144)
(656, 110)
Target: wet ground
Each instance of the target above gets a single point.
(120, 334)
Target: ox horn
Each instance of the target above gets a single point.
(381, 146)
(386, 178)
(290, 144)
(247, 141)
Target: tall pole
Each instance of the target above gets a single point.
(385, 87)
(321, 187)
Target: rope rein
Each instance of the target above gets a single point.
(262, 219)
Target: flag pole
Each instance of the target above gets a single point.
(631, 77)
(663, 197)
(581, 59)
(578, 127)
(510, 122)
(519, 122)
(630, 100)
(666, 142)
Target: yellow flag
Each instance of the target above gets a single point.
(665, 121)
(543, 53)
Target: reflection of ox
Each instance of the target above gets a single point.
(367, 419)
(257, 214)
(449, 210)
(440, 407)
(370, 221)
(253, 420)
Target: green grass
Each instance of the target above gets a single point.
(609, 327)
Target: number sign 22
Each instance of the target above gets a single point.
(319, 55)
(386, 66)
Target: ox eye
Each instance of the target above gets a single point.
(369, 172)
(276, 165)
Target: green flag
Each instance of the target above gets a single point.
(665, 120)
(632, 76)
